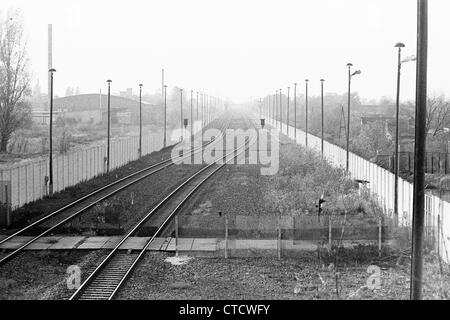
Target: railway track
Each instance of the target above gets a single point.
(81, 205)
(107, 278)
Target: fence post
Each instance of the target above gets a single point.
(226, 238)
(8, 211)
(380, 221)
(329, 232)
(279, 242)
(439, 234)
(176, 235)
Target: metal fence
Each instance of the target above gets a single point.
(381, 185)
(23, 183)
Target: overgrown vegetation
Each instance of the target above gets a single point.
(304, 178)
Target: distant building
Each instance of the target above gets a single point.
(92, 108)
(128, 93)
(42, 117)
(375, 110)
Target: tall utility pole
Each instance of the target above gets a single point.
(287, 119)
(295, 111)
(50, 182)
(181, 114)
(419, 150)
(165, 116)
(306, 112)
(108, 153)
(321, 91)
(140, 120)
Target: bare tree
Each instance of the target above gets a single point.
(438, 115)
(14, 77)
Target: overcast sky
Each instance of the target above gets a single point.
(236, 49)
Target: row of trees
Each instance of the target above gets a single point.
(372, 138)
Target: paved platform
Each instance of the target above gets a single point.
(96, 243)
(207, 246)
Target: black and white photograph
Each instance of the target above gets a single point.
(223, 159)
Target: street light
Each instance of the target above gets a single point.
(306, 112)
(321, 91)
(109, 126)
(203, 108)
(192, 123)
(281, 113)
(196, 100)
(50, 181)
(397, 130)
(140, 120)
(181, 114)
(287, 120)
(350, 75)
(165, 116)
(276, 107)
(295, 111)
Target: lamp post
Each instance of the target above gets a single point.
(287, 116)
(273, 108)
(203, 108)
(350, 75)
(109, 127)
(281, 113)
(276, 107)
(397, 127)
(181, 114)
(50, 164)
(295, 111)
(306, 112)
(192, 123)
(321, 93)
(140, 120)
(397, 113)
(196, 101)
(165, 116)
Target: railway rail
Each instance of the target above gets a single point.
(81, 205)
(106, 279)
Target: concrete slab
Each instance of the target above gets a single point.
(165, 244)
(11, 245)
(156, 244)
(204, 244)
(98, 243)
(67, 243)
(134, 243)
(171, 245)
(185, 244)
(43, 243)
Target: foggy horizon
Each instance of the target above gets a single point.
(233, 50)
